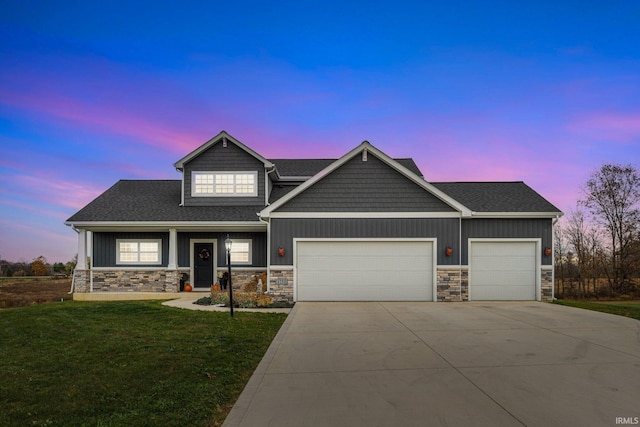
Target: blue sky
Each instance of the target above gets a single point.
(92, 92)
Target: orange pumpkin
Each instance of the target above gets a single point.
(188, 288)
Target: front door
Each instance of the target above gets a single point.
(203, 257)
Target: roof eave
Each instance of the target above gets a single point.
(557, 214)
(165, 225)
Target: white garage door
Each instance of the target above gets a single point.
(503, 271)
(364, 271)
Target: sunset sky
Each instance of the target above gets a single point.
(92, 92)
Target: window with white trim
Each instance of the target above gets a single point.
(143, 252)
(211, 184)
(241, 251)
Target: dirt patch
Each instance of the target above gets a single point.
(29, 291)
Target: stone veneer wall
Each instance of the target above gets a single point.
(144, 280)
(448, 284)
(240, 277)
(546, 284)
(127, 281)
(452, 284)
(81, 280)
(281, 292)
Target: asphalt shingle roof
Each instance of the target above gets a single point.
(133, 200)
(496, 196)
(158, 200)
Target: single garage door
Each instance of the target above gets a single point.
(503, 271)
(364, 270)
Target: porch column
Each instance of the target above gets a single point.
(173, 249)
(82, 250)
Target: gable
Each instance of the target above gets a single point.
(365, 186)
(220, 158)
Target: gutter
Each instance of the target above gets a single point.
(73, 275)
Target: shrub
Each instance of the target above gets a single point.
(240, 299)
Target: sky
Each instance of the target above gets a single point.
(91, 92)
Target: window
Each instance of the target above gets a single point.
(224, 184)
(241, 252)
(139, 251)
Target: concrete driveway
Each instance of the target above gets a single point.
(453, 364)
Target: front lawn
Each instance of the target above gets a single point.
(126, 363)
(621, 308)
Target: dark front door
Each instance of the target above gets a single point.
(203, 257)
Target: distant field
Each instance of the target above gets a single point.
(26, 291)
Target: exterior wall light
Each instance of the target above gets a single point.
(280, 251)
(448, 251)
(547, 251)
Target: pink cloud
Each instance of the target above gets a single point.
(103, 118)
(619, 127)
(49, 189)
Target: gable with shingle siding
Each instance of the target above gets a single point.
(218, 158)
(365, 186)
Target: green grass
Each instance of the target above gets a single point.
(621, 308)
(126, 363)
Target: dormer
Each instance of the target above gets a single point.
(224, 172)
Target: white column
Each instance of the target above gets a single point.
(82, 250)
(173, 249)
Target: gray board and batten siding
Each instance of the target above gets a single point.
(224, 159)
(283, 231)
(445, 230)
(507, 228)
(105, 247)
(258, 247)
(371, 186)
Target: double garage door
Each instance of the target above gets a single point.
(364, 270)
(404, 270)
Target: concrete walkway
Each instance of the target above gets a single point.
(453, 364)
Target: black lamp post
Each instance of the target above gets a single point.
(227, 245)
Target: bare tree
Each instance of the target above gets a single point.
(612, 195)
(560, 257)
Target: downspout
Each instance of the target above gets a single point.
(553, 257)
(73, 281)
(90, 266)
(266, 185)
(181, 187)
(268, 252)
(460, 254)
(266, 202)
(73, 274)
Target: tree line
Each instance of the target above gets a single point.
(597, 246)
(37, 267)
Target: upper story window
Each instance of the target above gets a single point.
(146, 251)
(225, 184)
